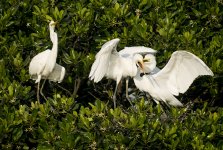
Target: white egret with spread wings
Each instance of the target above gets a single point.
(117, 65)
(44, 66)
(176, 77)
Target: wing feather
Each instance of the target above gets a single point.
(101, 63)
(38, 62)
(57, 75)
(131, 51)
(155, 70)
(181, 70)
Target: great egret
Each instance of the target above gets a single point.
(176, 77)
(117, 65)
(44, 66)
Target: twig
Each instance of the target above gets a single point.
(64, 89)
(76, 87)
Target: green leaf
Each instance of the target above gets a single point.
(10, 89)
(85, 121)
(218, 62)
(48, 17)
(162, 32)
(17, 134)
(37, 8)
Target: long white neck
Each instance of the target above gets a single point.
(54, 39)
(137, 58)
(53, 56)
(51, 32)
(55, 45)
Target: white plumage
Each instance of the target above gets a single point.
(176, 77)
(44, 66)
(131, 51)
(57, 75)
(117, 65)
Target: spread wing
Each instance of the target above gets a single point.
(131, 51)
(180, 72)
(155, 88)
(101, 63)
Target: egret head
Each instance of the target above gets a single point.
(149, 63)
(52, 24)
(138, 59)
(53, 34)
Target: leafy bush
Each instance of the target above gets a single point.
(72, 117)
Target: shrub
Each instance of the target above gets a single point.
(78, 114)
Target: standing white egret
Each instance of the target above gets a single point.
(176, 77)
(113, 65)
(43, 65)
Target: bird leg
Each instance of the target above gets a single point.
(38, 84)
(126, 90)
(114, 95)
(41, 90)
(38, 92)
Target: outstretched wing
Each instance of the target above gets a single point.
(155, 88)
(180, 72)
(58, 73)
(101, 63)
(131, 51)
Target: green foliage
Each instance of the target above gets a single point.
(71, 118)
(46, 127)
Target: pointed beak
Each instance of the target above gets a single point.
(54, 24)
(141, 65)
(146, 60)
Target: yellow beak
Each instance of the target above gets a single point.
(54, 23)
(141, 65)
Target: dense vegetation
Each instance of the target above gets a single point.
(79, 114)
